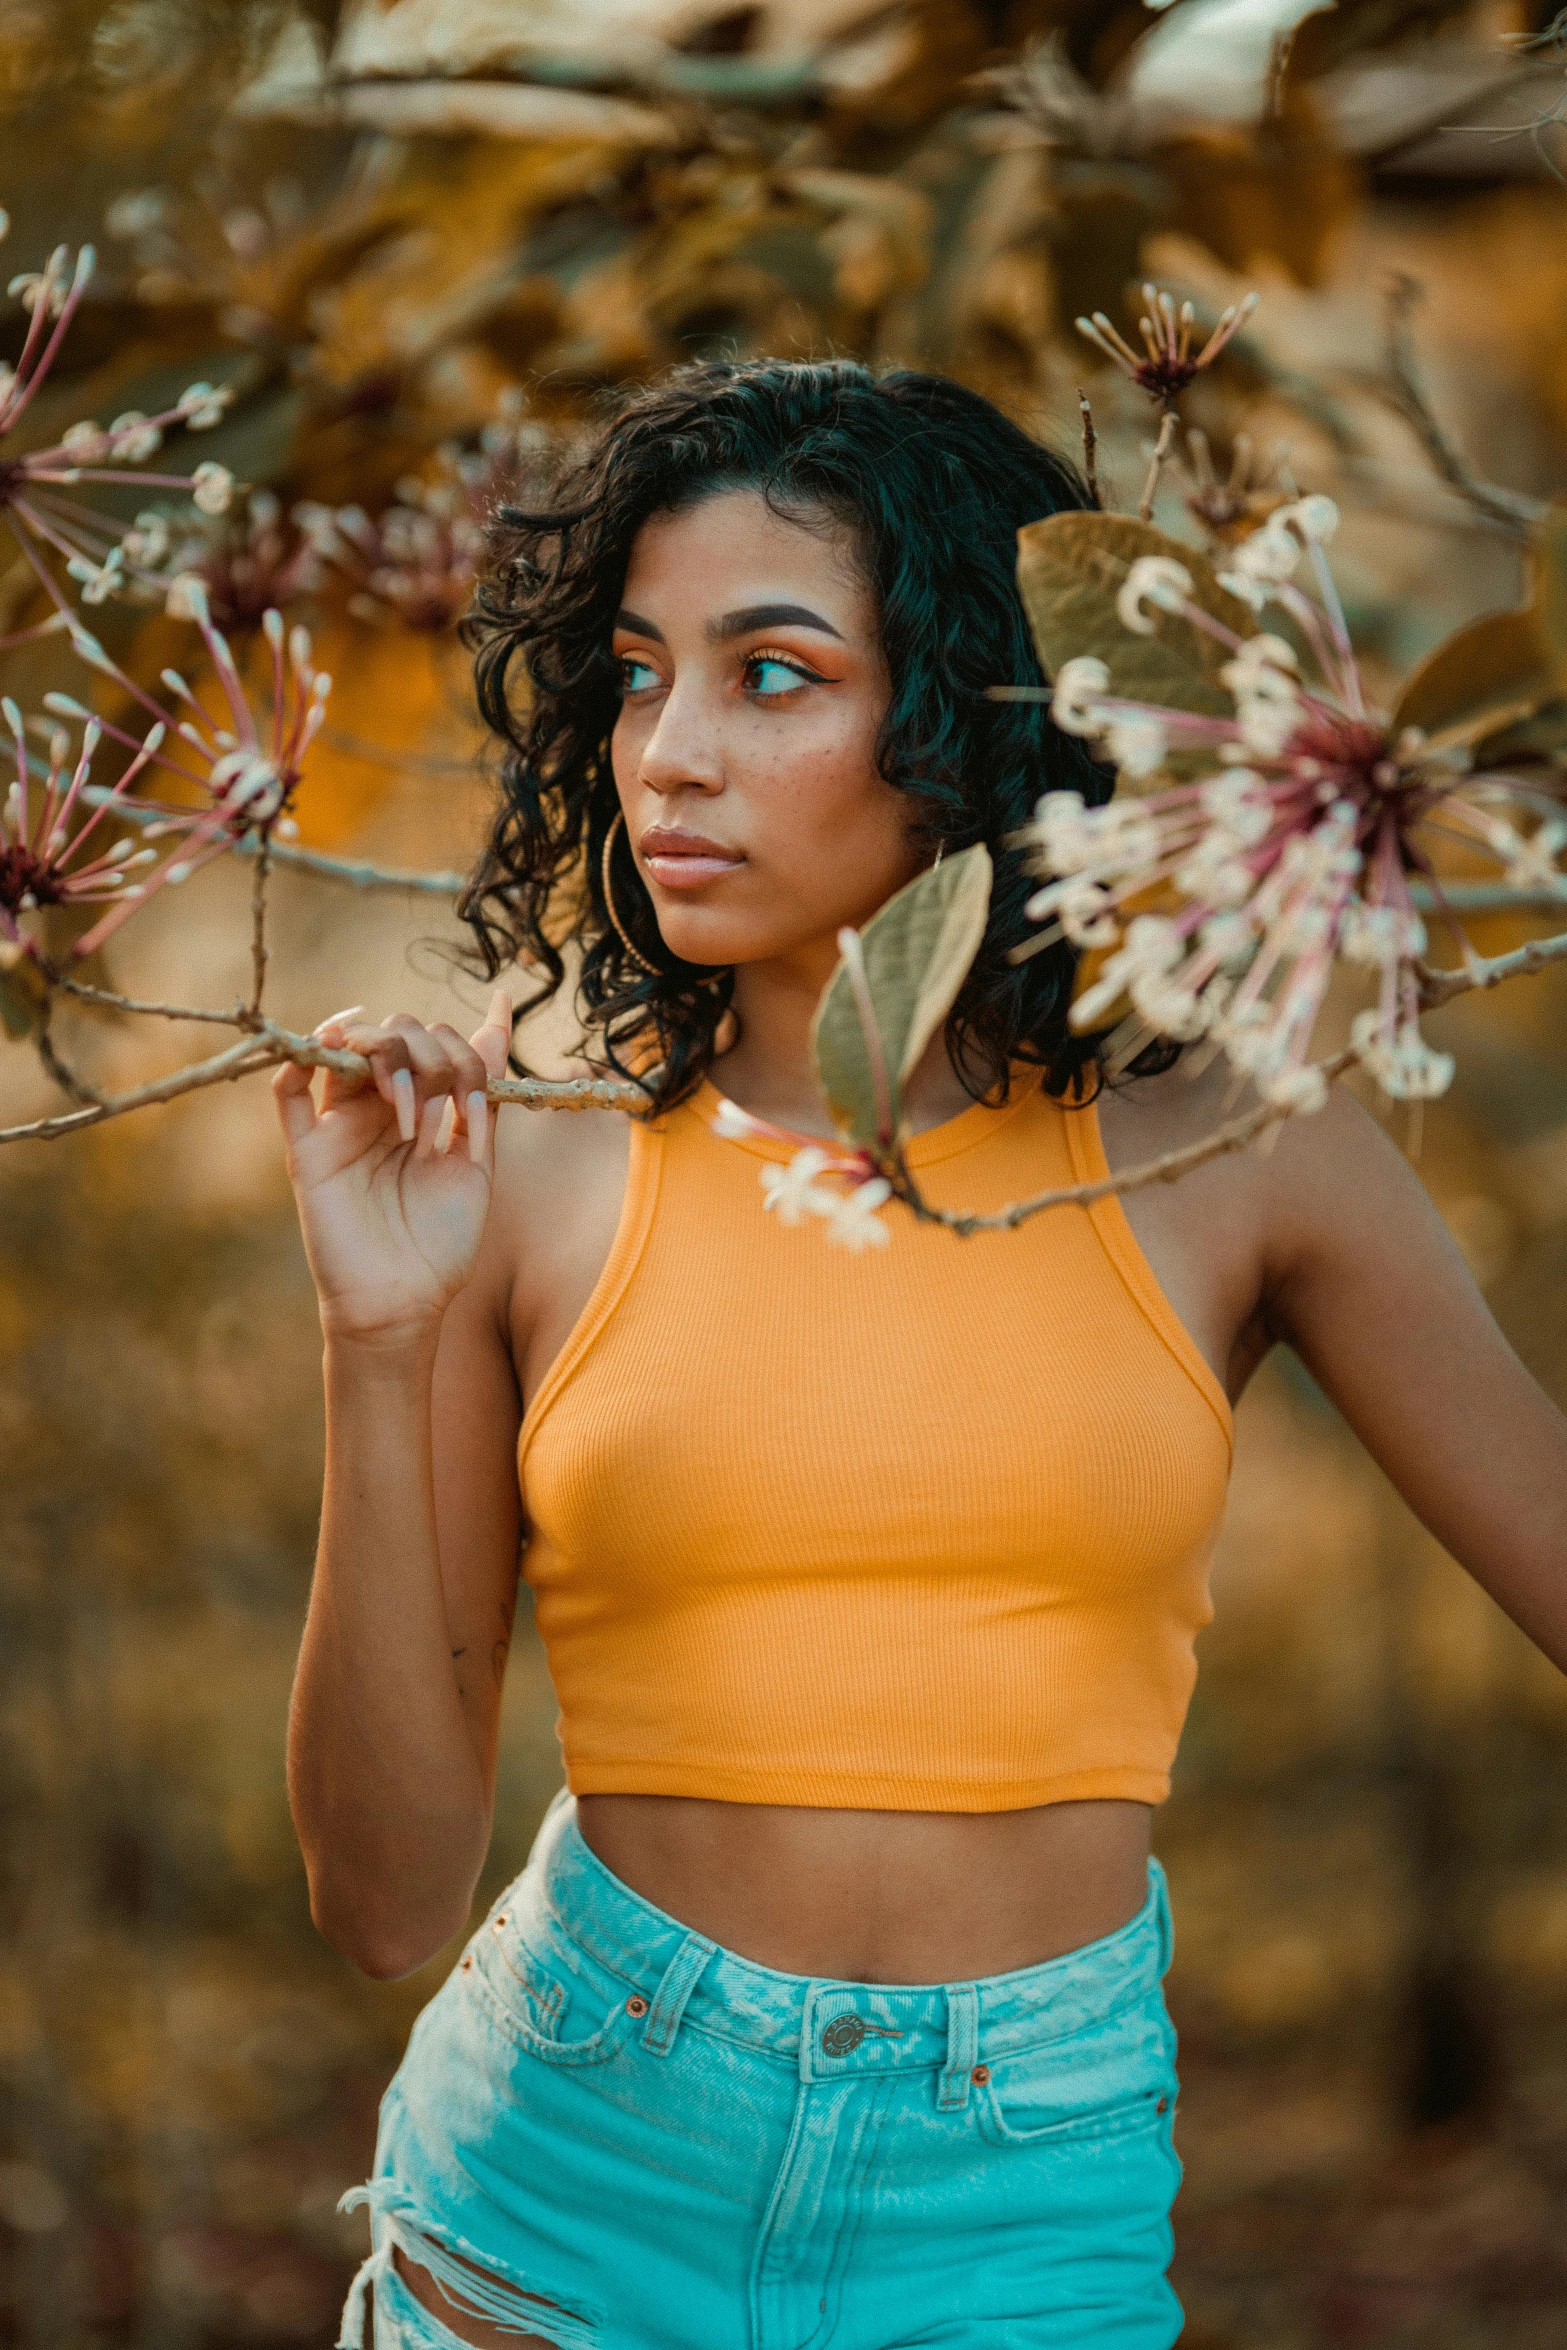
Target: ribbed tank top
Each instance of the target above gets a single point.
(922, 1529)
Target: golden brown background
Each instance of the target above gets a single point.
(375, 217)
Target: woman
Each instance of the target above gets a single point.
(829, 2007)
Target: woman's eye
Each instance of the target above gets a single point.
(636, 676)
(770, 679)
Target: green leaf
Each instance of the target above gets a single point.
(1070, 569)
(917, 951)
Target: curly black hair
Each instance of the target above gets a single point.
(934, 483)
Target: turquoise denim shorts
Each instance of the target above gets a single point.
(609, 2132)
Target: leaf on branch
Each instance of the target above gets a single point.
(1512, 664)
(24, 993)
(1070, 569)
(917, 952)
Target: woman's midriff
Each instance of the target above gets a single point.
(880, 1896)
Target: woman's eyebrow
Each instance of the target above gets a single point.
(634, 625)
(768, 616)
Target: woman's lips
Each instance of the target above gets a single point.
(685, 860)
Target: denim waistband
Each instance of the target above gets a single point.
(827, 2027)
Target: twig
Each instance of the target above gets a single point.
(1164, 1169)
(1162, 446)
(1515, 512)
(1439, 987)
(126, 1003)
(258, 926)
(269, 1045)
(357, 872)
(65, 1077)
(1090, 448)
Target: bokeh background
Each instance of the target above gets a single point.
(424, 240)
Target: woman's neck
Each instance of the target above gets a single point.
(768, 1070)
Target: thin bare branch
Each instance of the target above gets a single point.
(357, 872)
(269, 1045)
(1439, 987)
(1162, 448)
(258, 926)
(74, 1087)
(1090, 448)
(125, 1003)
(1513, 511)
(1165, 1169)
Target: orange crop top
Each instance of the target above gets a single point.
(922, 1529)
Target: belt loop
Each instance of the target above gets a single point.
(808, 2033)
(962, 2045)
(669, 2003)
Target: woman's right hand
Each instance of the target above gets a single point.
(392, 1221)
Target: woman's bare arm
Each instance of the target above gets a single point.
(1367, 1285)
(393, 1726)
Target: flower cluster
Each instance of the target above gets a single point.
(36, 488)
(1221, 903)
(416, 564)
(245, 566)
(57, 849)
(245, 775)
(1169, 361)
(850, 1216)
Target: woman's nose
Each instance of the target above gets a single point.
(683, 750)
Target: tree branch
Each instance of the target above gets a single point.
(1516, 513)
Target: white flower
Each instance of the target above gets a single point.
(1266, 723)
(1315, 517)
(1403, 1064)
(212, 488)
(733, 1123)
(1153, 579)
(202, 405)
(86, 443)
(1078, 683)
(1379, 935)
(247, 779)
(99, 581)
(1136, 742)
(187, 597)
(1532, 864)
(147, 543)
(852, 1219)
(33, 286)
(1303, 1088)
(134, 439)
(1261, 664)
(792, 1192)
(1230, 937)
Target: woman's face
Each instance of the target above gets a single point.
(744, 754)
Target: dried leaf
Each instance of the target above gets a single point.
(24, 996)
(917, 950)
(1070, 568)
(1497, 662)
(1513, 663)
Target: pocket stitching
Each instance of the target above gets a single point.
(593, 2050)
(1117, 2122)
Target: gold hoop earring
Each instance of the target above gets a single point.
(633, 951)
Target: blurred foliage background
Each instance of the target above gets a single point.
(422, 239)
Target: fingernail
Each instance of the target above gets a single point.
(349, 1012)
(430, 1118)
(403, 1103)
(500, 1010)
(478, 1121)
(447, 1127)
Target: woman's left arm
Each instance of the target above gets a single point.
(1366, 1284)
